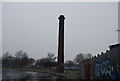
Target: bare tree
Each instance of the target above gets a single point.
(20, 54)
(51, 57)
(6, 55)
(21, 59)
(69, 64)
(47, 62)
(79, 58)
(88, 56)
(7, 59)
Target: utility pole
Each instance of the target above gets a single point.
(60, 66)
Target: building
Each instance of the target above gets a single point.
(105, 65)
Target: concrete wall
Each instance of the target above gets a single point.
(106, 65)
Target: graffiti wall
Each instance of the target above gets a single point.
(106, 65)
(104, 69)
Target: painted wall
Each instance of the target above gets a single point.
(106, 65)
(104, 69)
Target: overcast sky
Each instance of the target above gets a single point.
(0, 29)
(33, 27)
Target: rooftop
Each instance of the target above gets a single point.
(114, 46)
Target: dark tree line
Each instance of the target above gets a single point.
(80, 57)
(22, 60)
(69, 64)
(48, 61)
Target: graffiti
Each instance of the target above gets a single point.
(97, 70)
(104, 69)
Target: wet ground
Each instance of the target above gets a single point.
(13, 75)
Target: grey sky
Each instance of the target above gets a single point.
(0, 29)
(119, 21)
(33, 27)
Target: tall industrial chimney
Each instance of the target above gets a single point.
(60, 66)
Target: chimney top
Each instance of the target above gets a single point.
(61, 17)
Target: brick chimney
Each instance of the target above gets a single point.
(60, 66)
